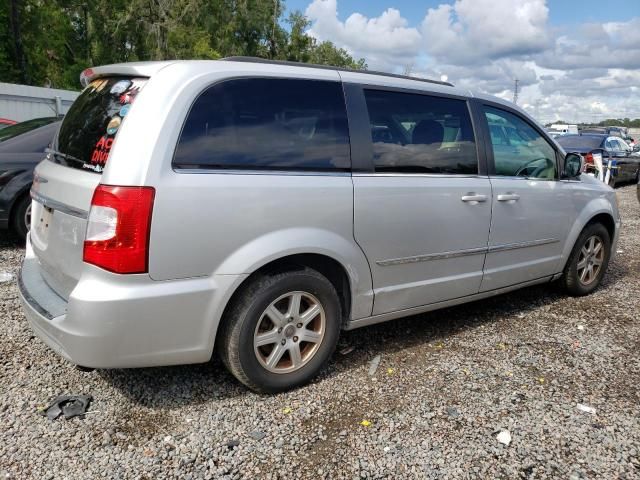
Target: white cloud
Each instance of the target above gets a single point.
(484, 45)
(382, 40)
(603, 45)
(471, 31)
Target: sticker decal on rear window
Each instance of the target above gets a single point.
(113, 125)
(100, 154)
(120, 87)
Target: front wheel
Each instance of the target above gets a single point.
(588, 261)
(281, 330)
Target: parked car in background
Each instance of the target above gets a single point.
(554, 133)
(611, 131)
(5, 122)
(610, 147)
(22, 146)
(255, 209)
(563, 129)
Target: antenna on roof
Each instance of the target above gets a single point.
(515, 92)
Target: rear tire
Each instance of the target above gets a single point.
(588, 261)
(21, 216)
(281, 330)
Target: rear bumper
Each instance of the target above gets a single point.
(122, 321)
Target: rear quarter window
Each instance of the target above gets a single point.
(266, 124)
(93, 121)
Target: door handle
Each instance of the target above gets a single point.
(473, 198)
(508, 197)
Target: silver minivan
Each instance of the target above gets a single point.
(255, 209)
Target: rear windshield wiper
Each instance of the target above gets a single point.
(65, 156)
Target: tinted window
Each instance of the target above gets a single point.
(579, 142)
(90, 126)
(267, 124)
(414, 133)
(518, 149)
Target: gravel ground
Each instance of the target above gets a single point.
(447, 383)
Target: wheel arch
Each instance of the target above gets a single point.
(22, 193)
(597, 211)
(326, 265)
(605, 219)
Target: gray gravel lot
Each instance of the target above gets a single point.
(448, 382)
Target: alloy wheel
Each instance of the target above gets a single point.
(590, 260)
(289, 332)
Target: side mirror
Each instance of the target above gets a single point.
(573, 164)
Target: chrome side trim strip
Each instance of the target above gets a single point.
(287, 173)
(464, 253)
(514, 246)
(414, 175)
(432, 256)
(59, 206)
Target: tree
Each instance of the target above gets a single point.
(303, 48)
(49, 42)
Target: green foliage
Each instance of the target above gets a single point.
(326, 53)
(621, 122)
(609, 122)
(56, 39)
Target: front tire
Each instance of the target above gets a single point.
(588, 261)
(281, 330)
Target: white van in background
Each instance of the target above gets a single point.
(561, 129)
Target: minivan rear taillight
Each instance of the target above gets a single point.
(118, 228)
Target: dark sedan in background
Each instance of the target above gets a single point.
(21, 148)
(610, 147)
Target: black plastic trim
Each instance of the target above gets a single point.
(359, 128)
(480, 134)
(32, 301)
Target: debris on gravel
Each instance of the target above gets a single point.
(517, 363)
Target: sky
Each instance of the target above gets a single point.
(578, 61)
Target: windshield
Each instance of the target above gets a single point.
(90, 127)
(23, 127)
(579, 142)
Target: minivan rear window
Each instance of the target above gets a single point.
(90, 127)
(266, 124)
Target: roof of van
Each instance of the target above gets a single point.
(148, 69)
